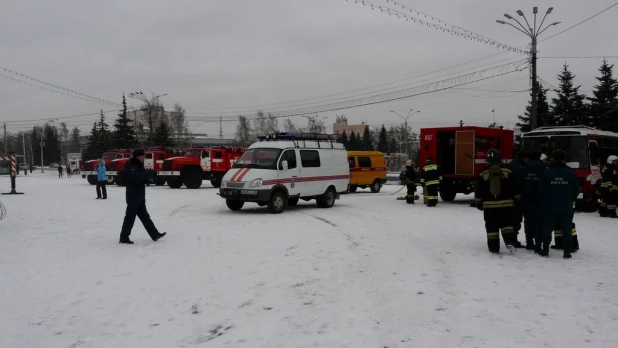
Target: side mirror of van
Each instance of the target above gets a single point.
(284, 164)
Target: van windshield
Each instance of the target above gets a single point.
(262, 158)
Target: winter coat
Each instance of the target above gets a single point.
(508, 195)
(101, 172)
(430, 175)
(409, 176)
(609, 178)
(136, 177)
(529, 182)
(559, 189)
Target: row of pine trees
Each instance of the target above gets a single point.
(572, 108)
(123, 136)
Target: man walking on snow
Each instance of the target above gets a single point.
(136, 179)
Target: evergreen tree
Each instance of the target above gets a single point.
(393, 142)
(544, 116)
(367, 141)
(569, 108)
(124, 134)
(75, 147)
(383, 140)
(104, 134)
(344, 140)
(93, 151)
(163, 135)
(604, 104)
(352, 142)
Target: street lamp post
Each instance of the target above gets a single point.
(141, 96)
(406, 127)
(533, 33)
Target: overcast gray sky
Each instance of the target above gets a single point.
(226, 57)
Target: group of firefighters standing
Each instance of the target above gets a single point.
(531, 189)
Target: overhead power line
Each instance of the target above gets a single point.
(588, 57)
(425, 19)
(34, 82)
(580, 23)
(61, 117)
(396, 95)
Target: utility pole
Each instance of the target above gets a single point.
(220, 127)
(5, 148)
(42, 143)
(533, 32)
(23, 144)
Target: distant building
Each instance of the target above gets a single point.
(342, 125)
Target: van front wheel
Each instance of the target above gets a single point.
(277, 203)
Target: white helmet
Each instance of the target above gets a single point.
(543, 157)
(611, 159)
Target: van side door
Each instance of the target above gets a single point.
(290, 176)
(311, 170)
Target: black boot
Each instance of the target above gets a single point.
(125, 241)
(161, 235)
(567, 255)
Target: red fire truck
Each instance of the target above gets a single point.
(460, 153)
(198, 163)
(153, 160)
(88, 170)
(587, 150)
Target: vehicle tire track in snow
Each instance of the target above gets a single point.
(179, 209)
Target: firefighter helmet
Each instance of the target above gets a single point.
(611, 159)
(493, 156)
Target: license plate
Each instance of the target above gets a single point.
(248, 192)
(166, 173)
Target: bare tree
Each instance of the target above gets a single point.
(260, 124)
(243, 132)
(272, 124)
(315, 126)
(178, 121)
(64, 137)
(289, 126)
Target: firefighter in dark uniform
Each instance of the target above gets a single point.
(609, 188)
(409, 176)
(559, 189)
(516, 167)
(136, 178)
(558, 239)
(495, 195)
(431, 178)
(529, 179)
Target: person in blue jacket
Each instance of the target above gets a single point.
(101, 180)
(529, 180)
(559, 189)
(136, 177)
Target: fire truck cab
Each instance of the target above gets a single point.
(460, 153)
(89, 172)
(199, 163)
(153, 160)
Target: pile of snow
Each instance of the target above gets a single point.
(369, 272)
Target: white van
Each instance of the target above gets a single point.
(280, 169)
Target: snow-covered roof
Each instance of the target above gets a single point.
(583, 130)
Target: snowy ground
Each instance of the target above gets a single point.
(370, 272)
